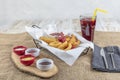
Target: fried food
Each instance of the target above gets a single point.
(63, 45)
(67, 38)
(48, 39)
(76, 43)
(72, 39)
(68, 47)
(64, 42)
(55, 44)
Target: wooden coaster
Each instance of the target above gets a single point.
(32, 69)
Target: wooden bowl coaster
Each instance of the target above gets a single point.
(32, 69)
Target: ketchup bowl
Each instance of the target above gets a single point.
(27, 60)
(19, 50)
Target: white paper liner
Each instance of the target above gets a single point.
(69, 56)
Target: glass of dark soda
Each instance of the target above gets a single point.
(87, 26)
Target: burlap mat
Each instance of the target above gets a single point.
(81, 70)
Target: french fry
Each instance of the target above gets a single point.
(55, 44)
(70, 42)
(67, 38)
(73, 39)
(68, 47)
(63, 45)
(48, 39)
(76, 43)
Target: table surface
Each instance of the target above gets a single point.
(81, 70)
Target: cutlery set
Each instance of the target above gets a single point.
(110, 51)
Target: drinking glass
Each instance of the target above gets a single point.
(87, 26)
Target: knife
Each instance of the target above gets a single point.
(102, 53)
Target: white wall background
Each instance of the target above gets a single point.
(12, 10)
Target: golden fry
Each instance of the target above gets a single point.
(55, 44)
(48, 39)
(73, 39)
(76, 43)
(68, 47)
(63, 45)
(67, 38)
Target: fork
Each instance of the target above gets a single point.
(110, 50)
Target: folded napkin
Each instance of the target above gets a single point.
(98, 61)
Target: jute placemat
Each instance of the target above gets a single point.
(81, 70)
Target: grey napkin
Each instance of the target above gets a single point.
(98, 61)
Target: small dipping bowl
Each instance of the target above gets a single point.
(33, 51)
(19, 50)
(44, 64)
(27, 60)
